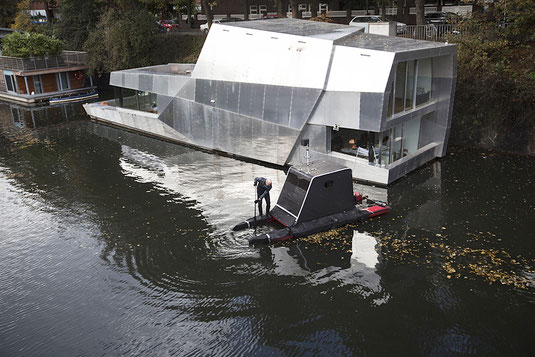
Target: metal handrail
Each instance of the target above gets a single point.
(65, 59)
(433, 32)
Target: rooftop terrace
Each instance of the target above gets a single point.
(65, 59)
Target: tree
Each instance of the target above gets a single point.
(246, 10)
(186, 6)
(280, 8)
(30, 44)
(207, 5)
(294, 4)
(122, 39)
(47, 5)
(163, 7)
(23, 20)
(420, 18)
(314, 9)
(8, 10)
(495, 93)
(78, 18)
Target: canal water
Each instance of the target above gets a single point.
(116, 244)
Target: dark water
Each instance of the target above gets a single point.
(116, 244)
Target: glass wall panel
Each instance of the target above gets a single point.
(37, 84)
(146, 102)
(390, 99)
(384, 148)
(10, 82)
(350, 142)
(400, 87)
(411, 135)
(397, 143)
(63, 81)
(136, 100)
(409, 93)
(423, 83)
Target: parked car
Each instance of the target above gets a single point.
(160, 27)
(400, 26)
(441, 18)
(168, 25)
(204, 27)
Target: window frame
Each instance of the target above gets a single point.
(38, 79)
(60, 83)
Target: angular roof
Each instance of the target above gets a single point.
(297, 27)
(386, 43)
(318, 168)
(342, 35)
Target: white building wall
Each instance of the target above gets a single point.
(237, 54)
(359, 70)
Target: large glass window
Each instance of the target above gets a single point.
(352, 142)
(397, 141)
(137, 100)
(411, 86)
(380, 149)
(390, 101)
(384, 147)
(409, 92)
(63, 81)
(10, 82)
(400, 87)
(411, 134)
(424, 80)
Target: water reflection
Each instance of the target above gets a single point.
(221, 188)
(24, 117)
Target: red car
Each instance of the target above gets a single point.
(168, 25)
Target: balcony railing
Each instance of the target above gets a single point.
(65, 59)
(440, 33)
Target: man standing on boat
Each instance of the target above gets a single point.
(263, 186)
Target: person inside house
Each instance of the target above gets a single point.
(352, 149)
(263, 186)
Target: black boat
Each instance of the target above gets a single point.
(315, 198)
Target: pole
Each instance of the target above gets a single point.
(255, 209)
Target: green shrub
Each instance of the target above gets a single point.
(30, 44)
(495, 96)
(121, 40)
(178, 48)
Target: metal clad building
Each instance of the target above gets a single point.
(378, 104)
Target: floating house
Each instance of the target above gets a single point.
(37, 80)
(284, 91)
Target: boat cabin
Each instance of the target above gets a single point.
(312, 191)
(37, 80)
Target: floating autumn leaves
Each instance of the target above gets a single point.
(432, 250)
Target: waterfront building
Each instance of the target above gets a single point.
(337, 11)
(285, 90)
(36, 80)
